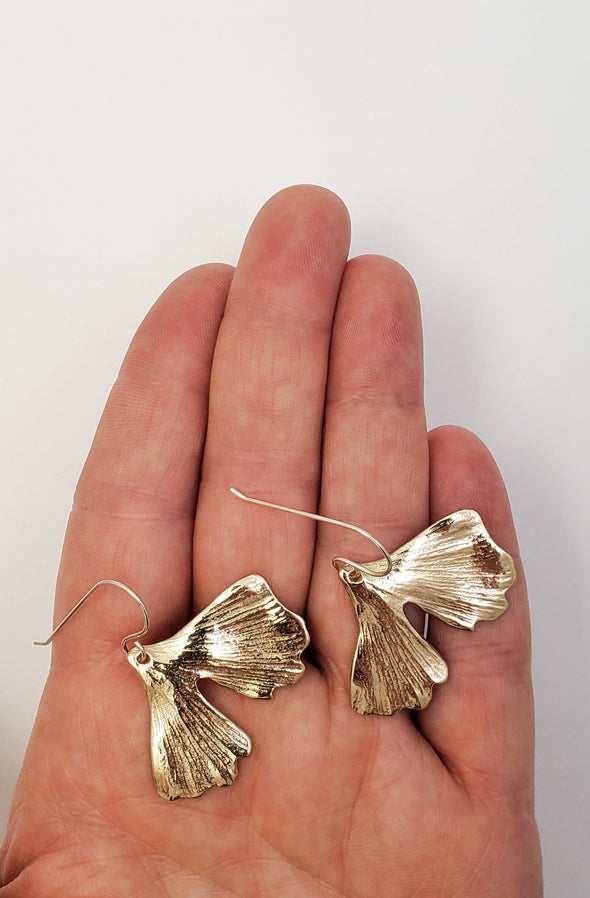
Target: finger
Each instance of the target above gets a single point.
(481, 720)
(375, 471)
(267, 396)
(133, 513)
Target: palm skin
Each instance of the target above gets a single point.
(298, 378)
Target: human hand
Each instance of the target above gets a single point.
(299, 380)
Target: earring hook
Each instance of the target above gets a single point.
(319, 517)
(124, 641)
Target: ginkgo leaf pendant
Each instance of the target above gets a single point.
(452, 570)
(245, 640)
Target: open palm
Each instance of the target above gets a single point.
(298, 379)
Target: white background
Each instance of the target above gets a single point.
(139, 139)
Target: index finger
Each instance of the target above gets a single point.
(133, 513)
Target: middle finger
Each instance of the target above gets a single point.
(267, 397)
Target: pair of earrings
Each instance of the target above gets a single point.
(248, 641)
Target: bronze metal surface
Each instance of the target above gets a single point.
(245, 640)
(452, 570)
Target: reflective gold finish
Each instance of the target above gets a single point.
(245, 640)
(452, 570)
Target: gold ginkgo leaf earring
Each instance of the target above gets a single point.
(452, 570)
(245, 640)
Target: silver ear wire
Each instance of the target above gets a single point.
(319, 517)
(124, 641)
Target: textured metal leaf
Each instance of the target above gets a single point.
(394, 667)
(452, 570)
(193, 745)
(245, 640)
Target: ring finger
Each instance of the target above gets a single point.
(375, 472)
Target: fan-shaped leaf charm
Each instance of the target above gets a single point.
(245, 640)
(453, 570)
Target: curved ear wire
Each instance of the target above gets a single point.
(319, 517)
(124, 641)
